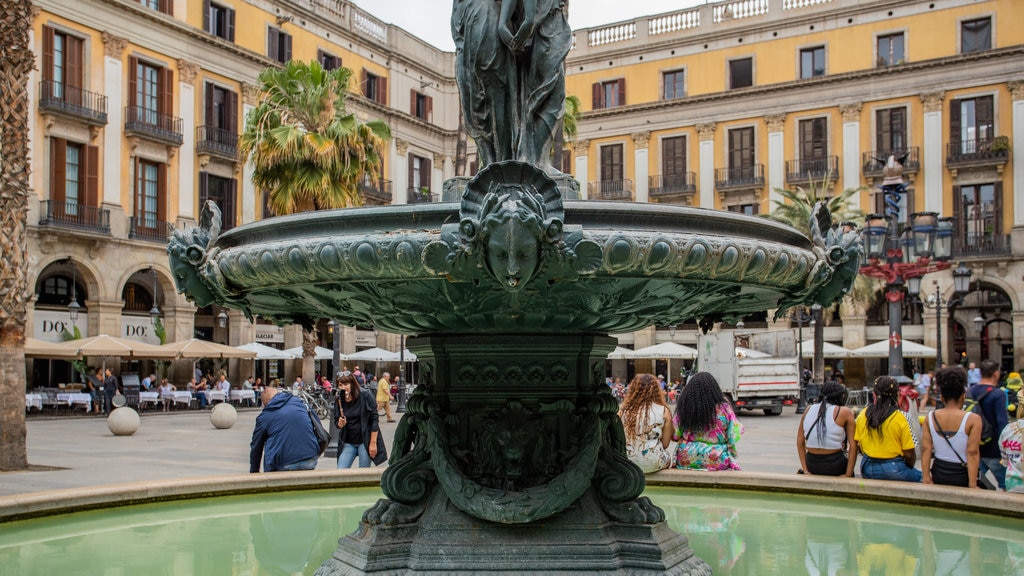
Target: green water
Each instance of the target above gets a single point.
(737, 533)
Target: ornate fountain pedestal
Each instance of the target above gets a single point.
(510, 460)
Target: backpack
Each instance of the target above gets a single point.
(974, 405)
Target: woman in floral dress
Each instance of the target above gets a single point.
(647, 423)
(705, 426)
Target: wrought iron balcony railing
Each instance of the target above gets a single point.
(980, 246)
(673, 185)
(150, 230)
(739, 177)
(73, 102)
(216, 141)
(982, 152)
(809, 170)
(378, 191)
(71, 214)
(420, 196)
(611, 190)
(153, 125)
(875, 160)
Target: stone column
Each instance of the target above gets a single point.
(932, 161)
(851, 148)
(400, 171)
(641, 168)
(113, 80)
(250, 96)
(706, 172)
(581, 149)
(187, 72)
(776, 157)
(1017, 95)
(437, 174)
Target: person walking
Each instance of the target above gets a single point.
(283, 436)
(951, 438)
(825, 438)
(647, 423)
(355, 413)
(110, 389)
(705, 426)
(384, 396)
(992, 400)
(884, 437)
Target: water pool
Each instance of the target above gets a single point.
(736, 532)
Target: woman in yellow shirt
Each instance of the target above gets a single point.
(883, 435)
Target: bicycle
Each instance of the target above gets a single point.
(316, 399)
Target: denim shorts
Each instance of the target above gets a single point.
(888, 469)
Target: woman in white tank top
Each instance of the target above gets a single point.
(951, 441)
(825, 436)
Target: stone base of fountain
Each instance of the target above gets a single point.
(445, 540)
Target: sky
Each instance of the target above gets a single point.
(429, 19)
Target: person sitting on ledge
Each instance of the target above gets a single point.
(884, 437)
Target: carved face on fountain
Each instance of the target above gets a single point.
(512, 231)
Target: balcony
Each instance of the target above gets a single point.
(875, 160)
(75, 216)
(672, 187)
(811, 170)
(376, 191)
(979, 153)
(72, 102)
(420, 196)
(152, 125)
(149, 230)
(610, 190)
(740, 177)
(981, 246)
(217, 142)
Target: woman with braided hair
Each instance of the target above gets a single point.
(647, 422)
(825, 435)
(705, 426)
(884, 437)
(951, 444)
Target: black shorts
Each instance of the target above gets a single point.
(827, 464)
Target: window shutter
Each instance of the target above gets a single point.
(412, 102)
(986, 122)
(287, 47)
(567, 161)
(430, 109)
(412, 172)
(58, 162)
(167, 7)
(206, 17)
(382, 90)
(595, 89)
(232, 104)
(73, 77)
(92, 176)
(133, 85)
(363, 81)
(204, 189)
(272, 43)
(426, 177)
(622, 91)
(161, 192)
(167, 92)
(997, 208)
(47, 53)
(954, 121)
(210, 119)
(230, 25)
(229, 202)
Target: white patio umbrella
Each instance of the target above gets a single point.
(112, 346)
(196, 348)
(43, 349)
(409, 356)
(828, 350)
(666, 350)
(620, 353)
(374, 355)
(264, 352)
(321, 353)
(880, 349)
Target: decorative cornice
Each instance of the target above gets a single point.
(187, 71)
(439, 158)
(851, 112)
(706, 130)
(776, 122)
(401, 147)
(580, 147)
(1016, 88)
(933, 100)
(113, 46)
(641, 139)
(35, 11)
(250, 94)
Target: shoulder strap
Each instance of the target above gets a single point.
(808, 432)
(942, 433)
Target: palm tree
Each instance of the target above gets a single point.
(16, 63)
(307, 151)
(570, 128)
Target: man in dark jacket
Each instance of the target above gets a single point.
(993, 405)
(283, 436)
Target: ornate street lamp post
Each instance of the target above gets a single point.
(961, 284)
(801, 316)
(401, 375)
(901, 255)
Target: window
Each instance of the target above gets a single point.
(812, 62)
(150, 93)
(975, 35)
(150, 180)
(74, 176)
(890, 129)
(222, 191)
(741, 152)
(56, 290)
(164, 6)
(971, 122)
(375, 87)
(611, 163)
(327, 60)
(419, 180)
(219, 20)
(748, 209)
(609, 94)
(980, 214)
(673, 161)
(221, 108)
(675, 85)
(813, 138)
(741, 73)
(421, 106)
(279, 45)
(62, 65)
(890, 50)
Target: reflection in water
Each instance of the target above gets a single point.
(737, 533)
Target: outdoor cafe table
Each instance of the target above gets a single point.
(33, 401)
(239, 395)
(75, 398)
(212, 395)
(178, 396)
(144, 397)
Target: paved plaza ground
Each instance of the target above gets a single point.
(79, 451)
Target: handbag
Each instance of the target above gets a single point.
(323, 437)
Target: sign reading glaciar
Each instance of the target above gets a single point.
(269, 333)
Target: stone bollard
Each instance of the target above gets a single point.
(223, 416)
(123, 421)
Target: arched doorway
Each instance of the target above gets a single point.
(58, 286)
(987, 325)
